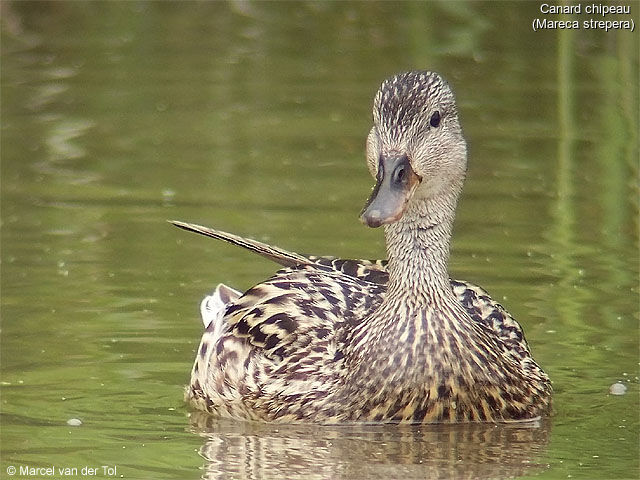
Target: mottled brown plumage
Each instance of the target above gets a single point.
(328, 340)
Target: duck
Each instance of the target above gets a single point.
(328, 340)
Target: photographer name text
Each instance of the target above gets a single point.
(55, 471)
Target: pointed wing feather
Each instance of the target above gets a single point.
(278, 255)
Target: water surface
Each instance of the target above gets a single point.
(251, 117)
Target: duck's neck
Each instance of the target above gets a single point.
(418, 251)
(419, 309)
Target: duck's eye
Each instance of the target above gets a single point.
(435, 119)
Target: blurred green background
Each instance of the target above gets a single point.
(251, 117)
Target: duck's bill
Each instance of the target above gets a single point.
(395, 183)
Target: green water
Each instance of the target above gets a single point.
(251, 117)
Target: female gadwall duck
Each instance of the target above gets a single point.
(328, 340)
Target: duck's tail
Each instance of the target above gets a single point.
(278, 255)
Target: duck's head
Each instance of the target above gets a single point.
(415, 149)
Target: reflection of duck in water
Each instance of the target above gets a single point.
(461, 451)
(328, 340)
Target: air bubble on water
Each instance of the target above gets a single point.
(618, 389)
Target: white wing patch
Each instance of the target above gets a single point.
(213, 306)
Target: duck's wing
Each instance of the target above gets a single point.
(280, 339)
(300, 305)
(483, 309)
(312, 293)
